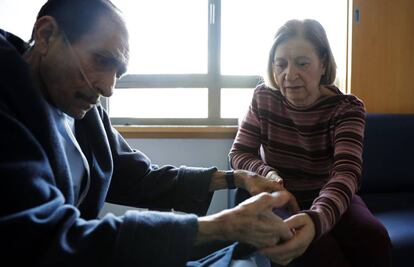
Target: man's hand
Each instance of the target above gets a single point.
(285, 252)
(251, 222)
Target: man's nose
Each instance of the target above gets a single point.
(106, 83)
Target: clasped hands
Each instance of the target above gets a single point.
(256, 224)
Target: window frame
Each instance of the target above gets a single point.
(212, 80)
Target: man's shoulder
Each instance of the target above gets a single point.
(17, 91)
(9, 40)
(10, 55)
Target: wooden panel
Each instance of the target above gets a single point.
(382, 72)
(205, 132)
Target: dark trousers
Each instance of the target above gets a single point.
(359, 239)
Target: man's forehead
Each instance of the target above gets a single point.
(108, 37)
(108, 28)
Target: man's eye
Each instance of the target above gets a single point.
(103, 62)
(303, 64)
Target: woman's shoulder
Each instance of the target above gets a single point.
(262, 90)
(344, 100)
(351, 101)
(266, 98)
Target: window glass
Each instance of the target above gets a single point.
(166, 36)
(235, 102)
(18, 17)
(159, 103)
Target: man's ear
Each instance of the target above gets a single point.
(46, 32)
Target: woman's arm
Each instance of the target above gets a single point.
(335, 196)
(244, 153)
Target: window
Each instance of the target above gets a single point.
(196, 62)
(19, 16)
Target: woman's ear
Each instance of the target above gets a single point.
(46, 31)
(324, 64)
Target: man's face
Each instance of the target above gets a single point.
(76, 75)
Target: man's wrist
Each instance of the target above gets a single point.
(209, 229)
(229, 176)
(222, 179)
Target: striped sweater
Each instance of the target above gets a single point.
(317, 150)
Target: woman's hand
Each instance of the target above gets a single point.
(272, 175)
(256, 184)
(285, 252)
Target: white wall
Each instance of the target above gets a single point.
(188, 152)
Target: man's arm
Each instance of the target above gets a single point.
(187, 189)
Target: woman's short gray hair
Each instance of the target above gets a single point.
(312, 31)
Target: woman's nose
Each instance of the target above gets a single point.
(291, 73)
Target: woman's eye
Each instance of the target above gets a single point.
(303, 64)
(279, 66)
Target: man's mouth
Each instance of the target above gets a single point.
(88, 100)
(93, 101)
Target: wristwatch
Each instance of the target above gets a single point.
(229, 175)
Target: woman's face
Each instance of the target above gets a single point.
(297, 70)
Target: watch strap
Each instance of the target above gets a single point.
(229, 175)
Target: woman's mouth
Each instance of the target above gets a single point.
(293, 87)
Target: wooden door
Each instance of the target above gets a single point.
(382, 55)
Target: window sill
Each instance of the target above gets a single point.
(206, 132)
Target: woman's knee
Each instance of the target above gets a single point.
(377, 235)
(359, 227)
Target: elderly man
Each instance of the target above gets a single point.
(61, 159)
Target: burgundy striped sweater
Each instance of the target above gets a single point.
(317, 150)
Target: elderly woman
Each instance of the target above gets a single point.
(303, 131)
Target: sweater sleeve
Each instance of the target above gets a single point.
(245, 152)
(335, 197)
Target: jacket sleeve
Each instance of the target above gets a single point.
(139, 183)
(39, 226)
(35, 220)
